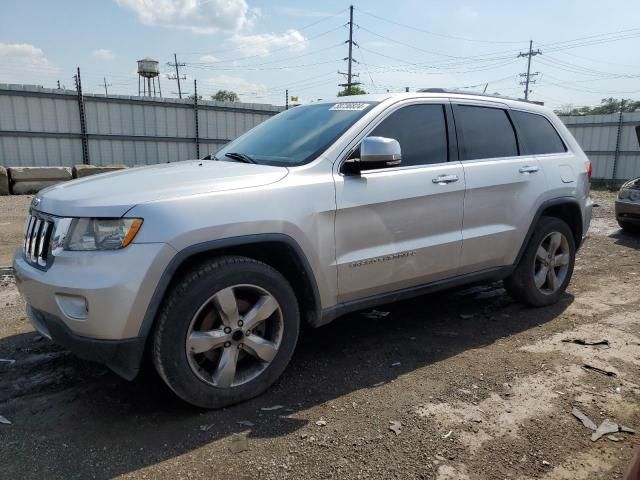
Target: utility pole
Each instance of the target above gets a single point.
(350, 48)
(106, 86)
(528, 75)
(286, 101)
(195, 111)
(177, 76)
(83, 119)
(350, 83)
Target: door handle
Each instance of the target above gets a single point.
(444, 179)
(529, 169)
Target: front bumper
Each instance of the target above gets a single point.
(95, 300)
(122, 356)
(628, 212)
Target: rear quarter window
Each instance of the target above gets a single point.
(538, 136)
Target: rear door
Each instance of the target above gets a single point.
(539, 137)
(398, 227)
(504, 186)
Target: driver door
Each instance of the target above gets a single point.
(401, 226)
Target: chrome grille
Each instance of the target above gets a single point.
(37, 239)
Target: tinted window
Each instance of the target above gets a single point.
(297, 135)
(421, 131)
(486, 132)
(538, 135)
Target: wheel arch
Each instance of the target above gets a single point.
(566, 209)
(279, 251)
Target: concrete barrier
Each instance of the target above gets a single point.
(80, 171)
(4, 181)
(26, 180)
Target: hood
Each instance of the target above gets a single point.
(113, 194)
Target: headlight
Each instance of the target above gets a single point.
(101, 234)
(624, 194)
(634, 195)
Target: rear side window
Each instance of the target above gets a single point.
(538, 135)
(486, 132)
(421, 131)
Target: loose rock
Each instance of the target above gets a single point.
(270, 409)
(239, 443)
(395, 427)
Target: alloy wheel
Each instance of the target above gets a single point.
(551, 263)
(234, 335)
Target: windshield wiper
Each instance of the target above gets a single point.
(240, 157)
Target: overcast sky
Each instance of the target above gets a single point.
(259, 48)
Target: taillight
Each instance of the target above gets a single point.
(589, 169)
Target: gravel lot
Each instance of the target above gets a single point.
(481, 388)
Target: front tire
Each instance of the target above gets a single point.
(545, 269)
(226, 332)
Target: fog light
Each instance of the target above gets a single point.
(73, 306)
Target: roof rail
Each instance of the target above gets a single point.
(478, 94)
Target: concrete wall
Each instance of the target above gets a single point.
(41, 127)
(28, 180)
(610, 142)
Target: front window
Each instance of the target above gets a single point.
(298, 135)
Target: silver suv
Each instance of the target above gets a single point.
(213, 266)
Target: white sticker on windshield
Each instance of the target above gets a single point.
(349, 106)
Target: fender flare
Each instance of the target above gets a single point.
(543, 206)
(213, 245)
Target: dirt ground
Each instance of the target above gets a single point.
(481, 388)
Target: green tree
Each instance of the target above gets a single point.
(225, 96)
(355, 90)
(607, 105)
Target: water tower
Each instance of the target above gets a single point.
(148, 72)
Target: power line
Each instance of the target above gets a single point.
(271, 52)
(366, 67)
(209, 64)
(528, 75)
(444, 35)
(259, 69)
(585, 70)
(628, 31)
(599, 60)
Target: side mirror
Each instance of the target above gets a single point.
(376, 152)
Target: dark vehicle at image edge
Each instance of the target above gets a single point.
(212, 267)
(628, 206)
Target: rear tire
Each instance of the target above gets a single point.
(226, 332)
(545, 269)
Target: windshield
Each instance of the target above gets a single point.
(296, 136)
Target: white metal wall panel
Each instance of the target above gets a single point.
(598, 135)
(41, 126)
